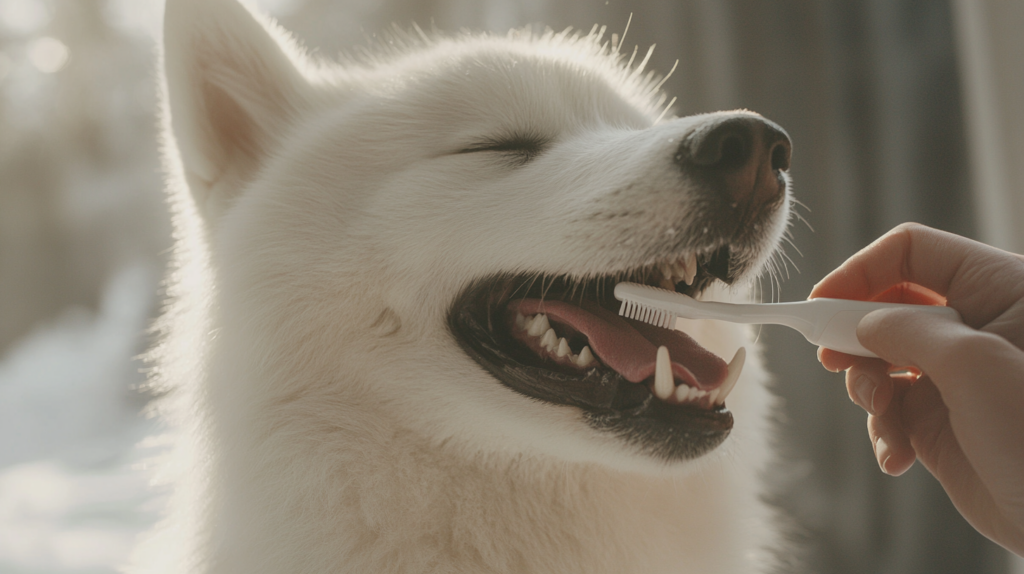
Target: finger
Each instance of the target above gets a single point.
(835, 361)
(869, 386)
(956, 267)
(926, 421)
(893, 450)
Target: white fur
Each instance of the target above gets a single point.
(328, 421)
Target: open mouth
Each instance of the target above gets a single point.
(560, 340)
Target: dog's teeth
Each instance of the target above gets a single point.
(713, 396)
(735, 368)
(563, 348)
(682, 392)
(690, 268)
(550, 340)
(664, 383)
(539, 326)
(520, 321)
(679, 270)
(666, 271)
(585, 357)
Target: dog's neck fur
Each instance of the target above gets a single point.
(394, 502)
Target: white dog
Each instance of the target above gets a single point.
(392, 345)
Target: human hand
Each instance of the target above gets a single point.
(964, 419)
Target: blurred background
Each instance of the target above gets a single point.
(899, 110)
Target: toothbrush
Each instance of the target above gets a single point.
(829, 323)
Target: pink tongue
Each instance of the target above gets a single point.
(631, 347)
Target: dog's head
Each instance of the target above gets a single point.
(436, 234)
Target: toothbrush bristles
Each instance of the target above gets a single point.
(640, 312)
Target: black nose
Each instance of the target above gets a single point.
(740, 157)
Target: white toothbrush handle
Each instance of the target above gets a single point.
(829, 323)
(835, 325)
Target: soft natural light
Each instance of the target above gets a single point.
(5, 65)
(280, 7)
(48, 54)
(69, 501)
(136, 16)
(23, 16)
(52, 518)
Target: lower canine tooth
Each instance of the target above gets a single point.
(735, 368)
(664, 383)
(520, 321)
(585, 358)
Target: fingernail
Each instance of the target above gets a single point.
(865, 390)
(821, 350)
(910, 374)
(882, 453)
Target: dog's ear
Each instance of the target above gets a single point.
(234, 84)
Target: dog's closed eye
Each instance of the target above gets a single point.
(519, 147)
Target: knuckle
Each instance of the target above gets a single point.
(909, 227)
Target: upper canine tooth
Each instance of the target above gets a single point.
(539, 326)
(550, 340)
(563, 348)
(664, 382)
(735, 368)
(585, 357)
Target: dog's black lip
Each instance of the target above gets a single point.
(609, 402)
(718, 265)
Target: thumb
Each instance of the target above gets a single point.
(950, 352)
(977, 375)
(907, 337)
